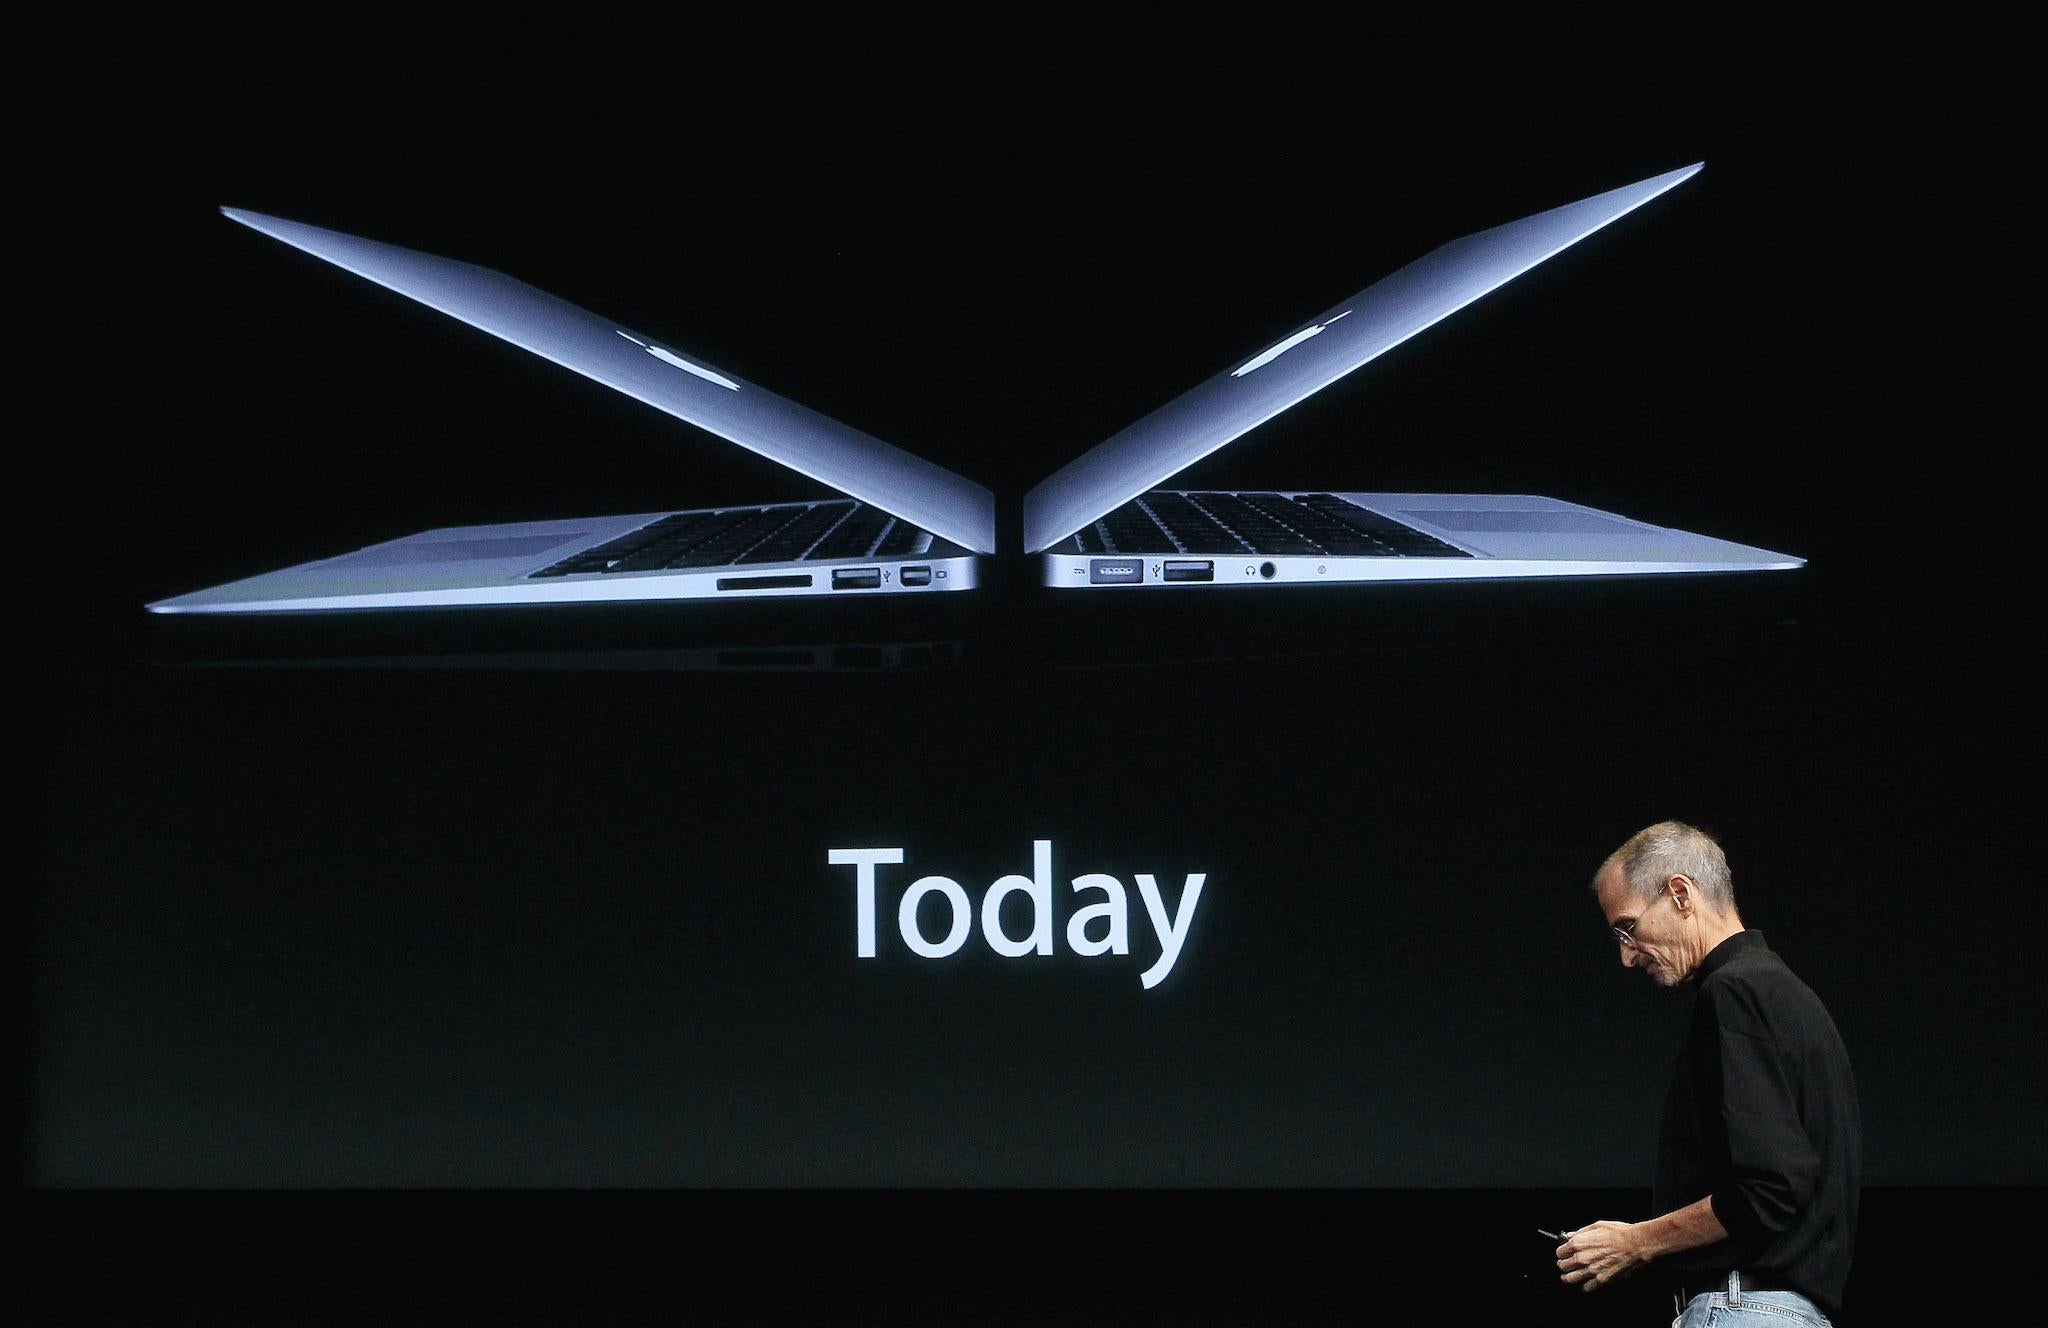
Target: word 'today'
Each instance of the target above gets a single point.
(1112, 913)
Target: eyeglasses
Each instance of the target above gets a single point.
(1627, 935)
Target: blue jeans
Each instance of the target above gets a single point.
(1739, 1307)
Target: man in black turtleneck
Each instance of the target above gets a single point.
(1761, 1146)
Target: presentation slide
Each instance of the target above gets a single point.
(905, 642)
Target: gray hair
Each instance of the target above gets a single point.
(1672, 848)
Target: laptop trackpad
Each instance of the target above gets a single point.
(456, 551)
(1550, 522)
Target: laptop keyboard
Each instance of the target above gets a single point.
(800, 532)
(1262, 523)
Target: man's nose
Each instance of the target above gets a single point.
(1628, 956)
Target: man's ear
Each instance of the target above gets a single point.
(1682, 893)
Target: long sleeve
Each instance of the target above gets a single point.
(1772, 1167)
(1761, 1121)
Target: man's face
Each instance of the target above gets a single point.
(1659, 948)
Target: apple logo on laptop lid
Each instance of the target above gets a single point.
(1275, 351)
(667, 356)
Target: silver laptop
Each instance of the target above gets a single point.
(905, 526)
(909, 526)
(1099, 522)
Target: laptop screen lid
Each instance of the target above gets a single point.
(832, 453)
(1304, 362)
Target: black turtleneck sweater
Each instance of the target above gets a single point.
(1762, 1116)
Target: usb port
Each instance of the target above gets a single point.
(1115, 571)
(856, 578)
(1191, 571)
(917, 576)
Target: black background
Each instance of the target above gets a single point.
(539, 919)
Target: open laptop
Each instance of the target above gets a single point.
(1098, 521)
(909, 526)
(906, 526)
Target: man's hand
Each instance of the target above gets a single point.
(1600, 1253)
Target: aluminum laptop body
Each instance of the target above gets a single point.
(909, 526)
(906, 526)
(1099, 522)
